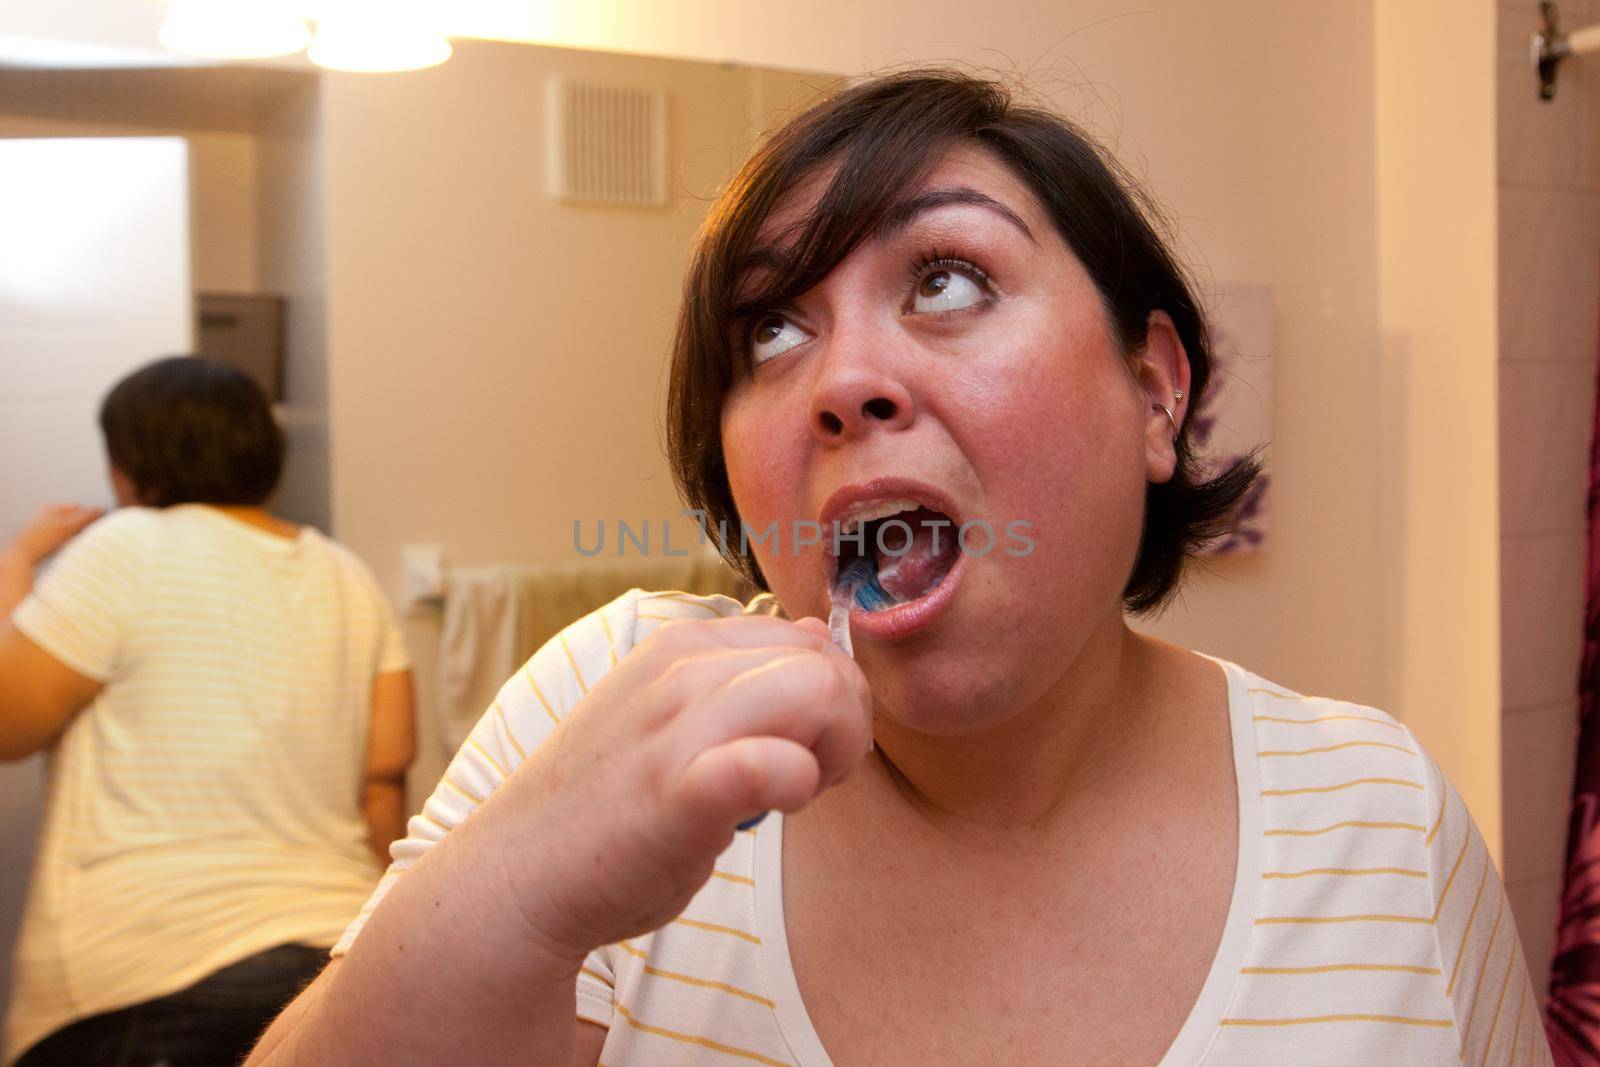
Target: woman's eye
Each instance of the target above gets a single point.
(945, 289)
(773, 336)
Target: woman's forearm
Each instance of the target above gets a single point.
(383, 809)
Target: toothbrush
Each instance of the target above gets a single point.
(857, 585)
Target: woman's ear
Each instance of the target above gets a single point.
(1162, 370)
(123, 489)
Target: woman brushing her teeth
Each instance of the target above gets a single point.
(939, 327)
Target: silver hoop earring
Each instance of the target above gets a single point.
(1168, 413)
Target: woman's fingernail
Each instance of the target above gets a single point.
(750, 824)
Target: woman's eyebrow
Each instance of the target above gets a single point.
(903, 213)
(765, 261)
(775, 259)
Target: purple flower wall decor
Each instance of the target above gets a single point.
(1235, 412)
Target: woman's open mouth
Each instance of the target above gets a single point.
(898, 561)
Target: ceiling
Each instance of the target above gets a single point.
(846, 36)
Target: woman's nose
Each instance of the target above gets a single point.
(852, 396)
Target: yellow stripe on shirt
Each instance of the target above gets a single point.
(485, 754)
(1483, 967)
(611, 641)
(1337, 748)
(1499, 1002)
(1406, 782)
(505, 726)
(572, 660)
(689, 979)
(1346, 871)
(716, 929)
(1401, 1020)
(1349, 823)
(1444, 795)
(1450, 881)
(703, 1042)
(459, 788)
(1455, 968)
(1279, 920)
(1330, 968)
(527, 672)
(1328, 718)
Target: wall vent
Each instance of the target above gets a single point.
(608, 144)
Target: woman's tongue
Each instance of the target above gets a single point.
(907, 572)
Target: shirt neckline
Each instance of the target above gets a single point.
(1201, 1026)
(274, 543)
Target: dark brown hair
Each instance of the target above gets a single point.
(188, 430)
(885, 136)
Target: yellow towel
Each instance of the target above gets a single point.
(496, 617)
(549, 598)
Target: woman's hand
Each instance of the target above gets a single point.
(52, 527)
(613, 825)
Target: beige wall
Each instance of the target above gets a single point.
(1267, 162)
(293, 264)
(1549, 252)
(1437, 273)
(496, 356)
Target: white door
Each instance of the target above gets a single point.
(94, 281)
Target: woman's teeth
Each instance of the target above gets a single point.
(881, 510)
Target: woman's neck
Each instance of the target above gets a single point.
(258, 517)
(1089, 739)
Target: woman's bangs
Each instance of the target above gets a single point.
(869, 180)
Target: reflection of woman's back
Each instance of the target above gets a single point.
(206, 805)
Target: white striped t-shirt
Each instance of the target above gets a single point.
(1367, 923)
(206, 805)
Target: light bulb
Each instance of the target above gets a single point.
(377, 37)
(233, 29)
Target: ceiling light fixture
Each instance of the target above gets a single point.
(232, 29)
(377, 36)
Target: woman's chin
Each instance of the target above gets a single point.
(944, 700)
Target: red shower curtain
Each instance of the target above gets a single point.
(1573, 1016)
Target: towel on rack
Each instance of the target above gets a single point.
(477, 645)
(495, 617)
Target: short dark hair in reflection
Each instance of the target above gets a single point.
(190, 430)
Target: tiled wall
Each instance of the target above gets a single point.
(1549, 179)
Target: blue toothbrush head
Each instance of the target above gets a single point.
(859, 579)
(872, 596)
(855, 573)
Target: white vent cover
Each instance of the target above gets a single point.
(608, 144)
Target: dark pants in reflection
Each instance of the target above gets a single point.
(213, 1023)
